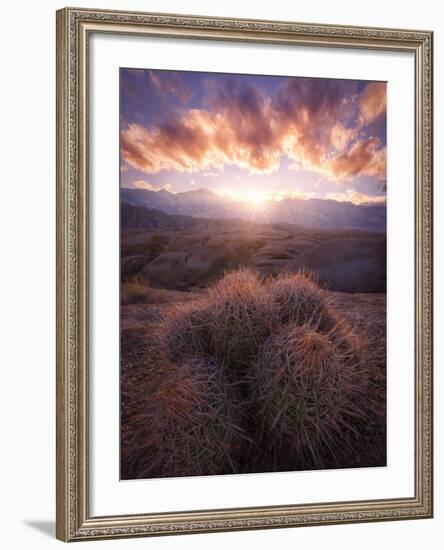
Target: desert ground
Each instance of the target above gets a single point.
(184, 253)
(169, 265)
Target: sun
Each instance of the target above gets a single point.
(255, 197)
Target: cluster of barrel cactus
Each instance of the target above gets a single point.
(253, 375)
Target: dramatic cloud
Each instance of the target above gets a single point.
(239, 131)
(351, 195)
(364, 158)
(250, 132)
(340, 137)
(168, 82)
(373, 102)
(308, 111)
(318, 124)
(255, 195)
(295, 193)
(142, 184)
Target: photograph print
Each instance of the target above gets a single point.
(252, 273)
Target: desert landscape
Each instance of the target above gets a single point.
(253, 274)
(169, 265)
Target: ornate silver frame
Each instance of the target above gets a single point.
(74, 521)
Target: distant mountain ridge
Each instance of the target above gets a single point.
(312, 213)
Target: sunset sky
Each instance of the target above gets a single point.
(250, 136)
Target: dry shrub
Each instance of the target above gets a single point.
(299, 299)
(306, 389)
(229, 322)
(241, 318)
(190, 425)
(185, 330)
(134, 290)
(237, 283)
(256, 376)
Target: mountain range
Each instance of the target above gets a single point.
(312, 213)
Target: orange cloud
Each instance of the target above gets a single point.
(340, 136)
(245, 128)
(206, 140)
(182, 145)
(143, 184)
(294, 193)
(260, 195)
(167, 82)
(351, 195)
(364, 158)
(308, 110)
(373, 102)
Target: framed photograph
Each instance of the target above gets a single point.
(244, 274)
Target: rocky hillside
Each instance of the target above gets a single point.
(183, 253)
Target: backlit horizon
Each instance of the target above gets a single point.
(253, 138)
